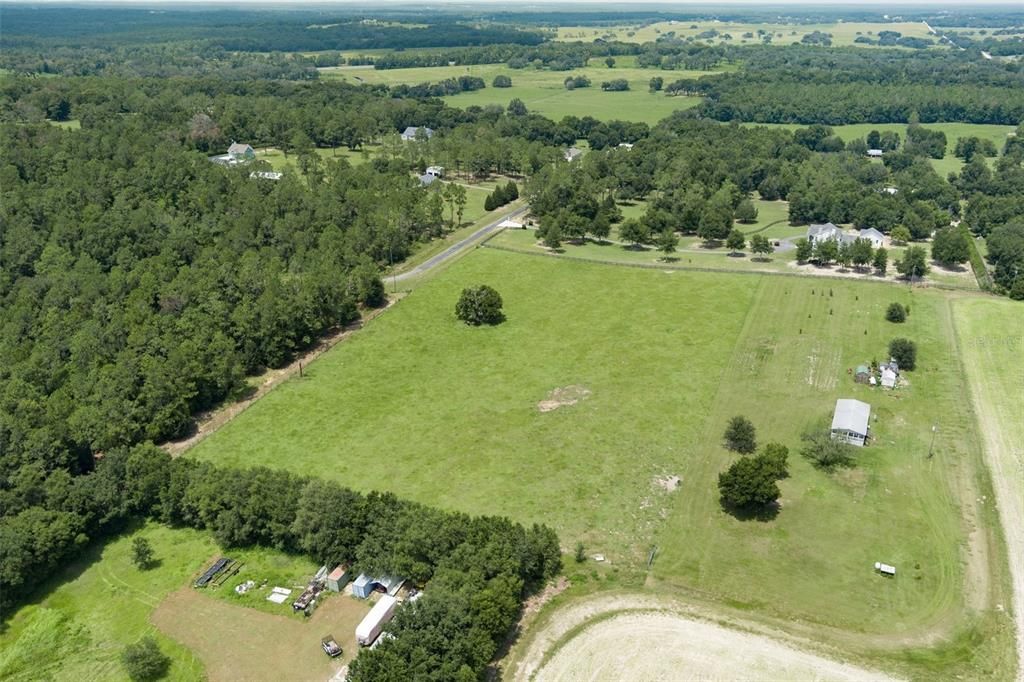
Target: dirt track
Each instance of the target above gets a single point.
(656, 643)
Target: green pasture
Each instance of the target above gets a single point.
(72, 124)
(100, 603)
(843, 33)
(667, 357)
(543, 91)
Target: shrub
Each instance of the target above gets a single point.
(142, 553)
(501, 81)
(904, 351)
(896, 313)
(581, 553)
(480, 305)
(144, 661)
(824, 452)
(740, 435)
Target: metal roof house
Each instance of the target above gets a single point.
(427, 179)
(875, 153)
(572, 153)
(816, 233)
(436, 171)
(239, 151)
(850, 421)
(410, 132)
(872, 235)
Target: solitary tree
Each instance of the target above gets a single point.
(609, 62)
(581, 553)
(823, 451)
(881, 260)
(600, 227)
(634, 232)
(667, 242)
(761, 245)
(735, 241)
(740, 435)
(950, 246)
(143, 661)
(502, 81)
(896, 312)
(750, 482)
(904, 351)
(656, 83)
(517, 107)
(913, 264)
(142, 553)
(480, 305)
(804, 250)
(900, 234)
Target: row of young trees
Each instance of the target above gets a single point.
(476, 569)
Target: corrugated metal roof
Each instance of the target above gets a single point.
(851, 415)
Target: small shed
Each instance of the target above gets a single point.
(338, 578)
(885, 569)
(862, 375)
(850, 421)
(875, 153)
(889, 377)
(426, 180)
(239, 151)
(365, 585)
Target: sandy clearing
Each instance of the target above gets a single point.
(664, 646)
(681, 636)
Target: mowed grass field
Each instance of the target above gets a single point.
(544, 91)
(843, 33)
(424, 406)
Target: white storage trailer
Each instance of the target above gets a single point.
(369, 629)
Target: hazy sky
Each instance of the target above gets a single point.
(710, 5)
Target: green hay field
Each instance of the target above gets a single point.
(667, 358)
(543, 91)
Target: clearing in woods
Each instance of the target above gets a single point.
(668, 358)
(543, 91)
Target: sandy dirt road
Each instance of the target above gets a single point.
(644, 640)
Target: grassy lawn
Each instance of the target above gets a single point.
(99, 604)
(543, 91)
(464, 430)
(279, 162)
(843, 33)
(102, 602)
(772, 221)
(73, 124)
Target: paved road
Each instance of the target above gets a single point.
(457, 248)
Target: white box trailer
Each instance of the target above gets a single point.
(369, 629)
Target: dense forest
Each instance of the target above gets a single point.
(834, 86)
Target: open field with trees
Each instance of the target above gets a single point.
(544, 91)
(714, 32)
(781, 350)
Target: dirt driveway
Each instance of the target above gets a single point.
(239, 643)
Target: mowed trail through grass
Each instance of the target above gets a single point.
(992, 340)
(422, 405)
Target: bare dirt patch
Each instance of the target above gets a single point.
(237, 643)
(563, 397)
(668, 483)
(644, 637)
(623, 647)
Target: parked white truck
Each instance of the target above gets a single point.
(369, 629)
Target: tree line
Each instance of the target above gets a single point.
(476, 570)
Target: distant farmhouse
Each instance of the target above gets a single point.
(875, 153)
(572, 153)
(828, 231)
(850, 421)
(411, 133)
(237, 154)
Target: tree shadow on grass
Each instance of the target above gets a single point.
(669, 259)
(760, 259)
(756, 513)
(636, 247)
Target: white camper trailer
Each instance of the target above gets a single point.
(369, 629)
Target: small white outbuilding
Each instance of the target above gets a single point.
(850, 421)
